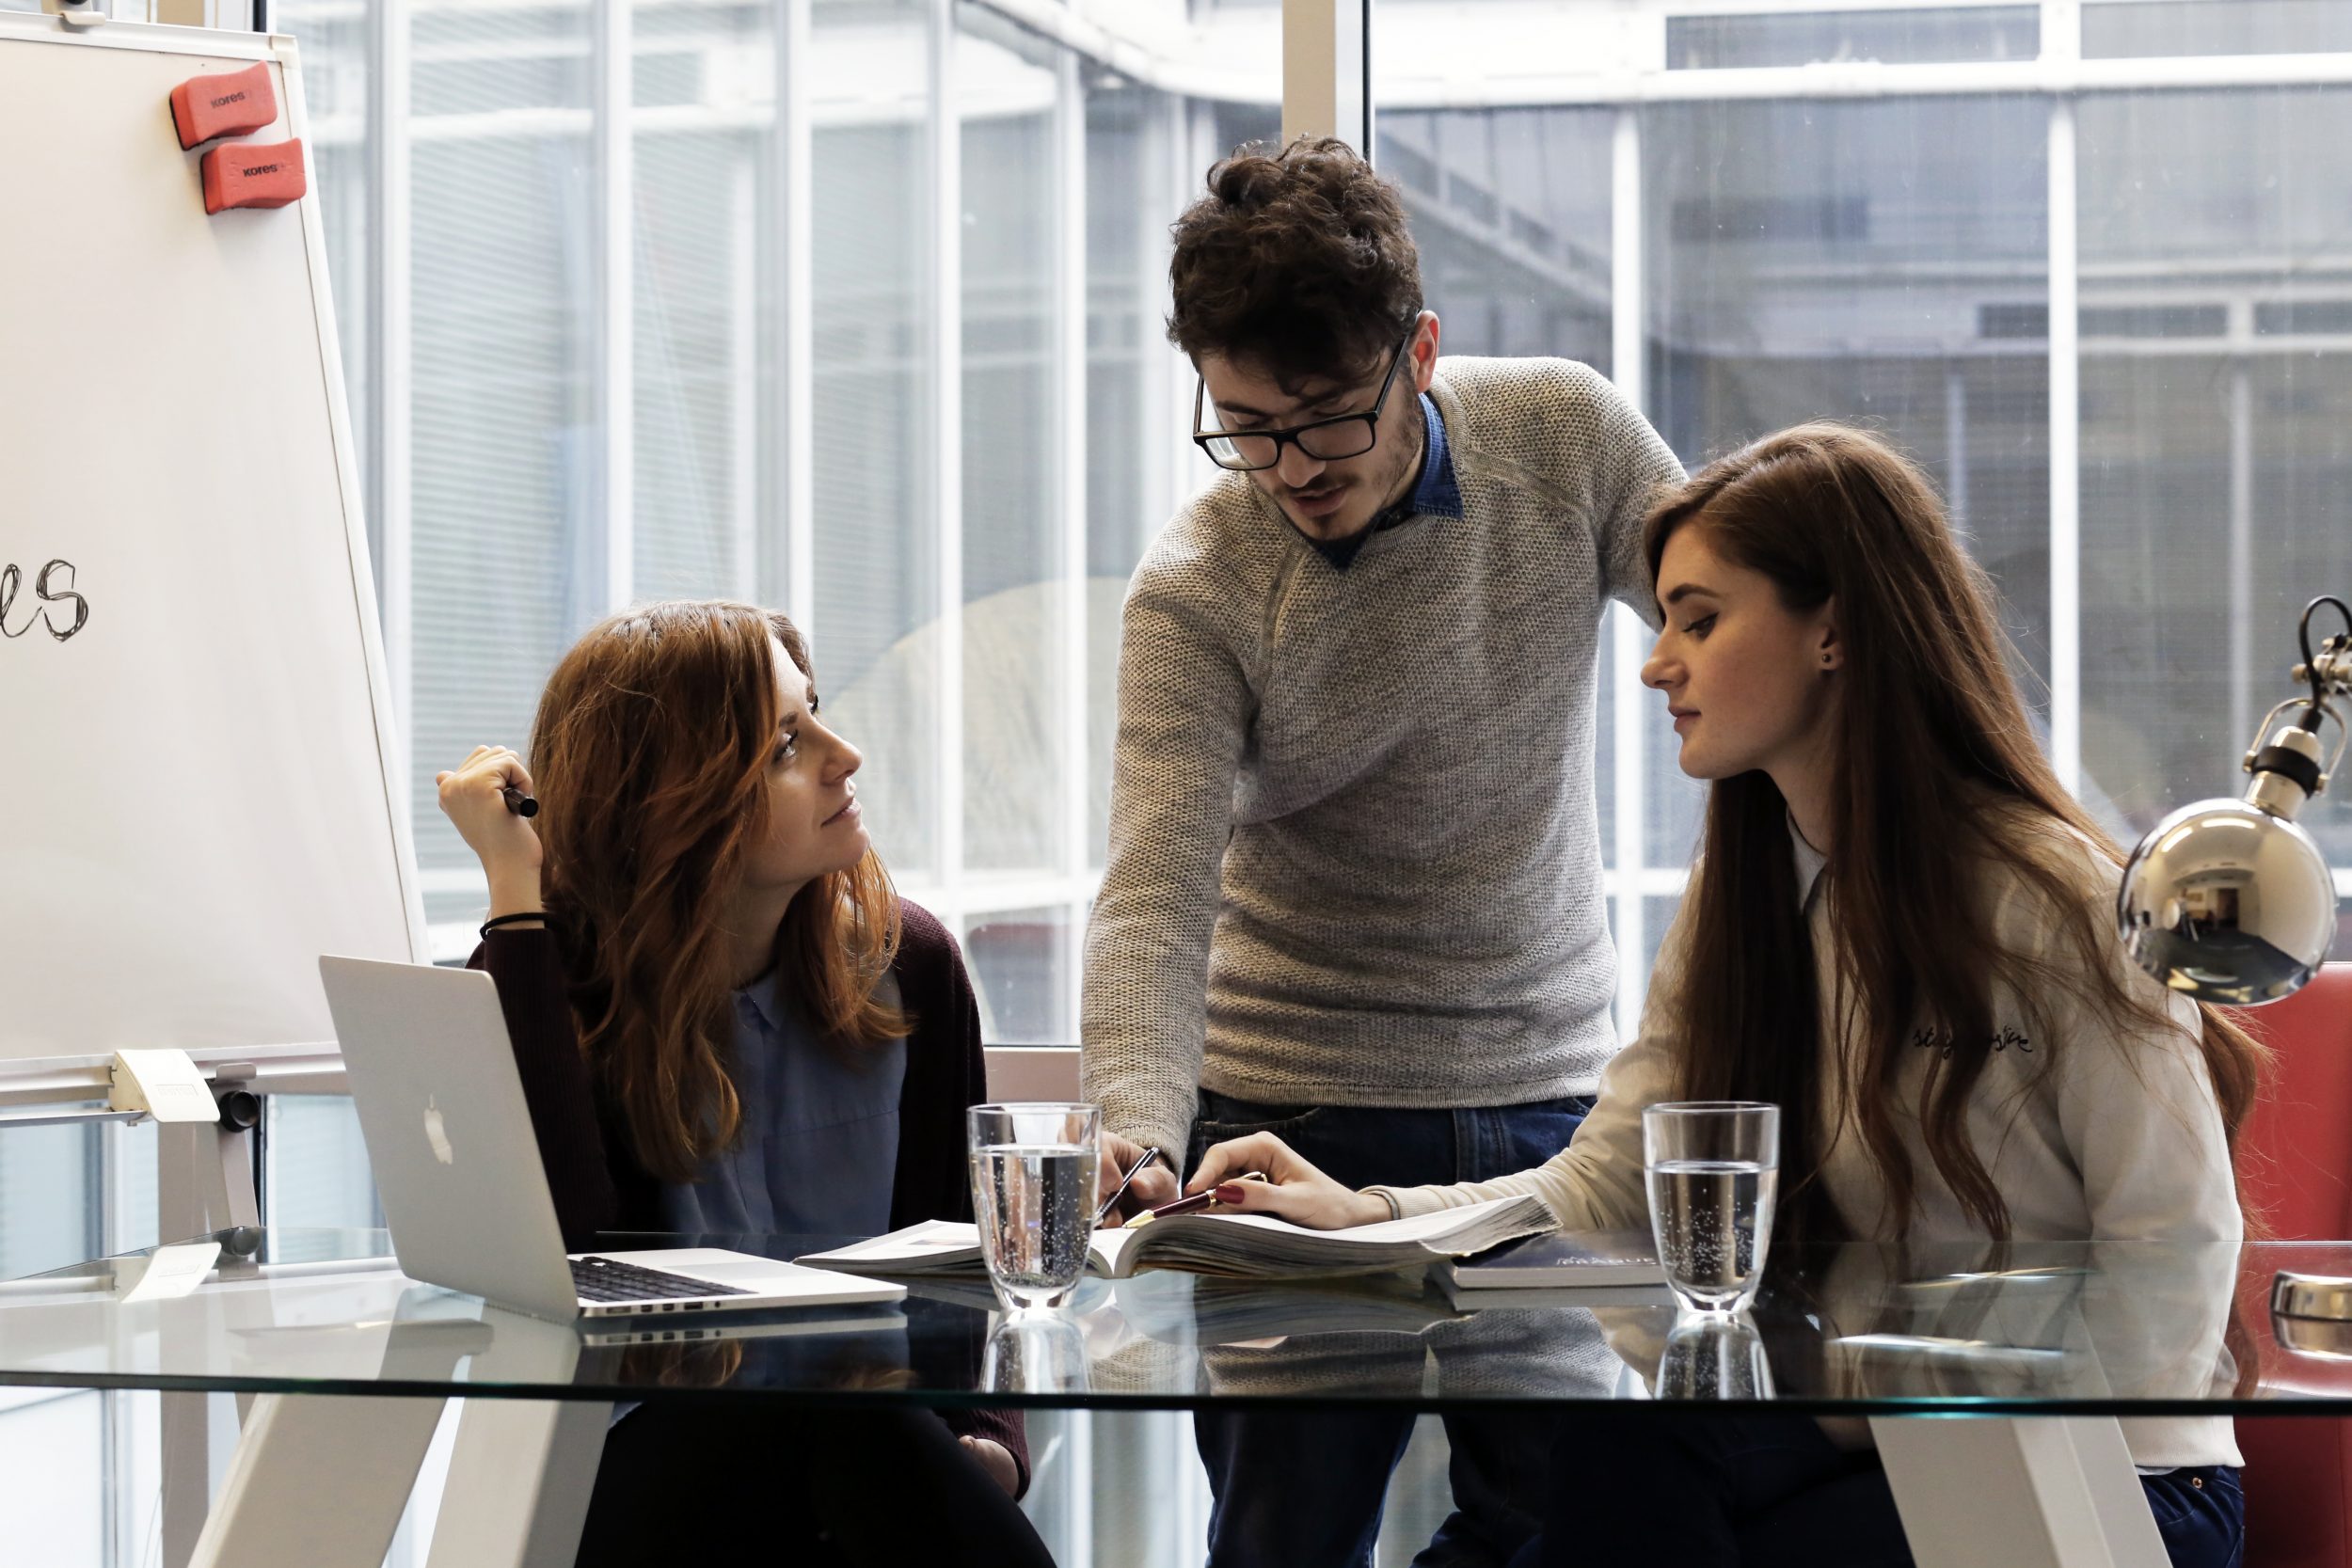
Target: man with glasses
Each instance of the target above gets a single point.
(1353, 892)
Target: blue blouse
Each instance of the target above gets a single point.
(818, 1151)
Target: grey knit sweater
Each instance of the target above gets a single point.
(1353, 858)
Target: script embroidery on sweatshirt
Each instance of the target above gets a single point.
(1940, 1042)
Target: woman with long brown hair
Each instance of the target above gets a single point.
(1900, 931)
(727, 1021)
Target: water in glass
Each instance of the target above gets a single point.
(1034, 1204)
(1713, 1223)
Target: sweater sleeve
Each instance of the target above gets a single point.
(1630, 466)
(1184, 707)
(2142, 1124)
(536, 1000)
(947, 1072)
(2135, 1104)
(1596, 1183)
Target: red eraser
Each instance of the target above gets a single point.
(233, 104)
(253, 174)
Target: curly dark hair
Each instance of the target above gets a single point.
(1298, 261)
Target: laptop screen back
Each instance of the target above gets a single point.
(448, 1132)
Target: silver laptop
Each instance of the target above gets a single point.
(441, 1106)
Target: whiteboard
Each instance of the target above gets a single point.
(197, 798)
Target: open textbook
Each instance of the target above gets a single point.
(1241, 1245)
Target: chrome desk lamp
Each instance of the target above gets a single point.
(2230, 901)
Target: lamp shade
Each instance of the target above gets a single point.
(2226, 902)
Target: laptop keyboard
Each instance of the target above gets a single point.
(603, 1279)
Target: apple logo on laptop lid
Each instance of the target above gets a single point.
(435, 1135)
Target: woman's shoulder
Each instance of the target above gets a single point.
(2053, 888)
(929, 959)
(923, 937)
(2033, 858)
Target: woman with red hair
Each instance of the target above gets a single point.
(727, 1021)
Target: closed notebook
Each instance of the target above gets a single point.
(1623, 1263)
(1239, 1246)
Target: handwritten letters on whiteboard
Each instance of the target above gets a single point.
(54, 606)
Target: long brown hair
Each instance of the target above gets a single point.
(650, 752)
(1936, 775)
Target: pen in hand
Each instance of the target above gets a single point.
(1188, 1205)
(1120, 1190)
(519, 803)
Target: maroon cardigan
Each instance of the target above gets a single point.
(599, 1186)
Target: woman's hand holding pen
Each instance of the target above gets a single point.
(1292, 1189)
(473, 798)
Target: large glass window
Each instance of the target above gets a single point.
(2216, 383)
(1822, 235)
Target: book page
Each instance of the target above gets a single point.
(1109, 1248)
(931, 1242)
(1415, 1228)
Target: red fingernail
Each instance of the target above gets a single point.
(1229, 1192)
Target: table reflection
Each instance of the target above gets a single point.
(1858, 1327)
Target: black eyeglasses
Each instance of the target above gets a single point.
(1325, 440)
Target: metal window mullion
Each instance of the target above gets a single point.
(1191, 149)
(742, 352)
(1956, 443)
(1626, 365)
(616, 273)
(2065, 456)
(2061, 48)
(2241, 659)
(796, 376)
(391, 357)
(947, 284)
(1326, 72)
(1070, 338)
(1164, 455)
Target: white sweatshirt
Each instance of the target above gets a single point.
(2123, 1141)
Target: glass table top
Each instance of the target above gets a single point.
(2114, 1328)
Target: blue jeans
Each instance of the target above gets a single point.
(1305, 1489)
(1773, 1492)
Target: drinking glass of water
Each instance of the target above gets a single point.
(1033, 1176)
(1713, 1168)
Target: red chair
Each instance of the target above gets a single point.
(2294, 1159)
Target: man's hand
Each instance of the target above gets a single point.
(1154, 1187)
(1292, 1189)
(994, 1457)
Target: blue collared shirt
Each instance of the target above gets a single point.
(1435, 494)
(818, 1150)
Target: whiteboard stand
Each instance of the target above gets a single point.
(204, 1182)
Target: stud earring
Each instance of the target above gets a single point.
(1825, 658)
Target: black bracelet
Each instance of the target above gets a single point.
(498, 920)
